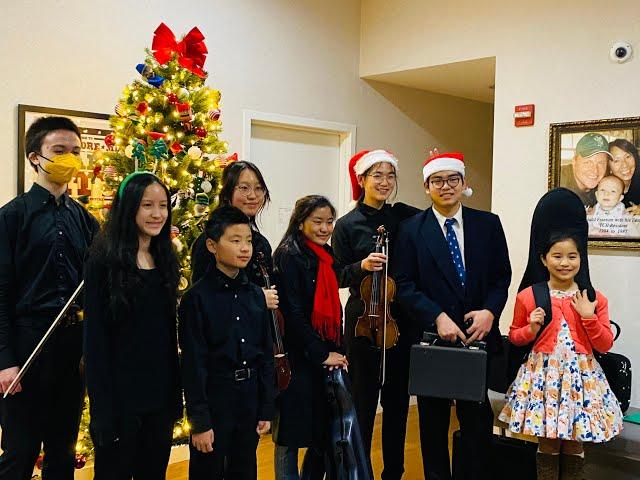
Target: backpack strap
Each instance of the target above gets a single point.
(542, 298)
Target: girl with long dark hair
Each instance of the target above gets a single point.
(310, 303)
(373, 182)
(130, 344)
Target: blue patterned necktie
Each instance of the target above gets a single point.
(454, 249)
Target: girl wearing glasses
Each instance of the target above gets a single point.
(243, 187)
(373, 181)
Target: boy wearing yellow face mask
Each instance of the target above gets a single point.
(43, 238)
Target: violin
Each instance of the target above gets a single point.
(281, 359)
(378, 290)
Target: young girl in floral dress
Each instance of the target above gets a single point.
(560, 394)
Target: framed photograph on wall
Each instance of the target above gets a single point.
(93, 128)
(599, 161)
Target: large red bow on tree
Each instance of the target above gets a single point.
(191, 50)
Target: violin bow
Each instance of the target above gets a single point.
(25, 368)
(383, 358)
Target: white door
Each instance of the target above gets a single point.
(294, 163)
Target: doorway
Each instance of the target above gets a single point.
(297, 157)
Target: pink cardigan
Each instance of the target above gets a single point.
(588, 333)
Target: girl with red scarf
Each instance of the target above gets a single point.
(309, 299)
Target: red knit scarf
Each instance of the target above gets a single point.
(326, 316)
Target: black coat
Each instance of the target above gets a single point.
(301, 418)
(426, 279)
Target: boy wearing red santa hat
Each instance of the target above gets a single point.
(452, 275)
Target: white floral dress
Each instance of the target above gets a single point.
(562, 395)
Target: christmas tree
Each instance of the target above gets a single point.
(167, 122)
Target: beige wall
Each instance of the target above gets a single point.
(296, 58)
(451, 124)
(553, 54)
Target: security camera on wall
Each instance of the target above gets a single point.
(621, 52)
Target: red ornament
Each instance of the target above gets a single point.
(96, 170)
(109, 140)
(142, 107)
(156, 135)
(81, 461)
(214, 115)
(172, 98)
(39, 462)
(176, 148)
(201, 132)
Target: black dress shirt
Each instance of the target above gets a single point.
(224, 326)
(42, 247)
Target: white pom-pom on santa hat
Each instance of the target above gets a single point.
(363, 161)
(445, 161)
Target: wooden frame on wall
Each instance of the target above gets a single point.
(599, 161)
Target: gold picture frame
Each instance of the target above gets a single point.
(599, 161)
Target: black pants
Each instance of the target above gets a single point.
(476, 428)
(364, 372)
(235, 419)
(237, 464)
(46, 413)
(142, 451)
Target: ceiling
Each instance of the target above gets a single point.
(472, 79)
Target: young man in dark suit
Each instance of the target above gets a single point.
(452, 275)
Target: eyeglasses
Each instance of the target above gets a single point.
(246, 190)
(452, 181)
(379, 177)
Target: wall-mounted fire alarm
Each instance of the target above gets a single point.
(524, 115)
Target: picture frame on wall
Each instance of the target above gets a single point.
(94, 127)
(599, 161)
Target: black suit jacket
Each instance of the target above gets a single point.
(426, 279)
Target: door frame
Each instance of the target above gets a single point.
(346, 134)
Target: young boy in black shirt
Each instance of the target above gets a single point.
(227, 351)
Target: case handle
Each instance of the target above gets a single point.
(430, 338)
